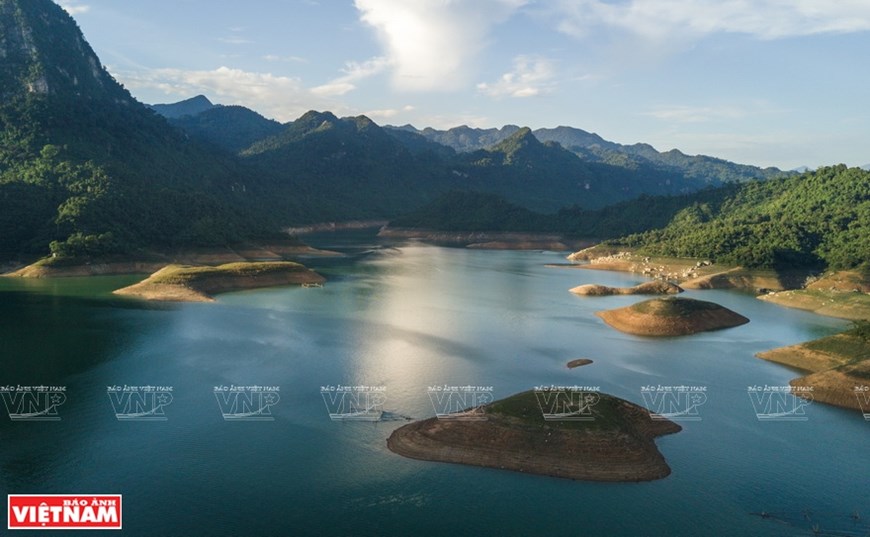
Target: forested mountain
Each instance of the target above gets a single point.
(342, 168)
(460, 210)
(463, 210)
(699, 170)
(232, 128)
(545, 176)
(188, 107)
(84, 164)
(87, 169)
(464, 138)
(364, 171)
(819, 218)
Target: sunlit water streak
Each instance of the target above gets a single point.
(406, 319)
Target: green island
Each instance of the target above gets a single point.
(180, 283)
(837, 367)
(617, 444)
(671, 317)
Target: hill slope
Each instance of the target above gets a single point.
(84, 164)
(820, 218)
(696, 171)
(232, 128)
(188, 107)
(545, 177)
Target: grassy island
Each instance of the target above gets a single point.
(616, 445)
(182, 283)
(671, 317)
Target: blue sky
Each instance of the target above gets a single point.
(769, 82)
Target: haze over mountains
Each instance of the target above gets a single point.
(233, 128)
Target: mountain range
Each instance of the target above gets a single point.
(593, 148)
(541, 170)
(86, 169)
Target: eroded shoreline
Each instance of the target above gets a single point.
(180, 283)
(618, 445)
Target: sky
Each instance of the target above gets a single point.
(767, 82)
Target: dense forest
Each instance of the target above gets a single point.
(84, 167)
(461, 210)
(820, 218)
(644, 159)
(86, 170)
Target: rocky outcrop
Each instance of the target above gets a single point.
(646, 288)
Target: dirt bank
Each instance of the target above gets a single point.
(618, 445)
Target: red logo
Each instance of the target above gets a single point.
(64, 511)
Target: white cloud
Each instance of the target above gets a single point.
(333, 89)
(665, 19)
(74, 8)
(531, 76)
(282, 98)
(353, 72)
(430, 44)
(388, 112)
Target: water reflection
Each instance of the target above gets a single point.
(405, 319)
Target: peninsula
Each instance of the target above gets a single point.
(689, 273)
(146, 261)
(182, 283)
(837, 367)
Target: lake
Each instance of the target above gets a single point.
(396, 320)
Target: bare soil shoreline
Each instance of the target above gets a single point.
(149, 262)
(492, 240)
(671, 317)
(646, 288)
(837, 367)
(178, 283)
(619, 446)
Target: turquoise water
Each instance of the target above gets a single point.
(405, 319)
